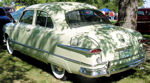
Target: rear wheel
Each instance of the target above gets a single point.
(58, 72)
(9, 47)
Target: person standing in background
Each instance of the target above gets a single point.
(3, 20)
(112, 15)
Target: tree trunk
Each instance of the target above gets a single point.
(128, 13)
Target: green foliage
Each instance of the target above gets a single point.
(7, 2)
(111, 4)
(147, 37)
(141, 2)
(1, 4)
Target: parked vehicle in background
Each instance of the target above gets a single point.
(75, 38)
(143, 20)
(9, 10)
(3, 20)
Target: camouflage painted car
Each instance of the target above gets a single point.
(75, 38)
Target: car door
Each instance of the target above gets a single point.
(21, 30)
(41, 35)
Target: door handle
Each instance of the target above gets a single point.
(27, 30)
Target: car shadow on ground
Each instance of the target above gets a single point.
(32, 61)
(71, 77)
(112, 78)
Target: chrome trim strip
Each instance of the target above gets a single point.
(74, 61)
(68, 59)
(78, 48)
(82, 51)
(65, 58)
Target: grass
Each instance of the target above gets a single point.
(147, 37)
(20, 68)
(113, 21)
(16, 69)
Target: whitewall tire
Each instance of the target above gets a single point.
(58, 72)
(9, 48)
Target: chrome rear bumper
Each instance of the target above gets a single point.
(125, 66)
(111, 68)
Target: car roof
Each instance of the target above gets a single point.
(144, 9)
(61, 6)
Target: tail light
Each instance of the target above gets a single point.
(144, 40)
(96, 51)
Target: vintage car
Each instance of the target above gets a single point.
(75, 38)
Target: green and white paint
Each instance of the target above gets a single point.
(70, 47)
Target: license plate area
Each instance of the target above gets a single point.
(124, 53)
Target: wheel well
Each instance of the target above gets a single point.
(5, 36)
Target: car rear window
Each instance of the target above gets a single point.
(85, 17)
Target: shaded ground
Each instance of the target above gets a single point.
(20, 68)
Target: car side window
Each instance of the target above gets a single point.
(44, 20)
(140, 13)
(27, 17)
(148, 13)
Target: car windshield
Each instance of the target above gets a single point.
(16, 14)
(86, 17)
